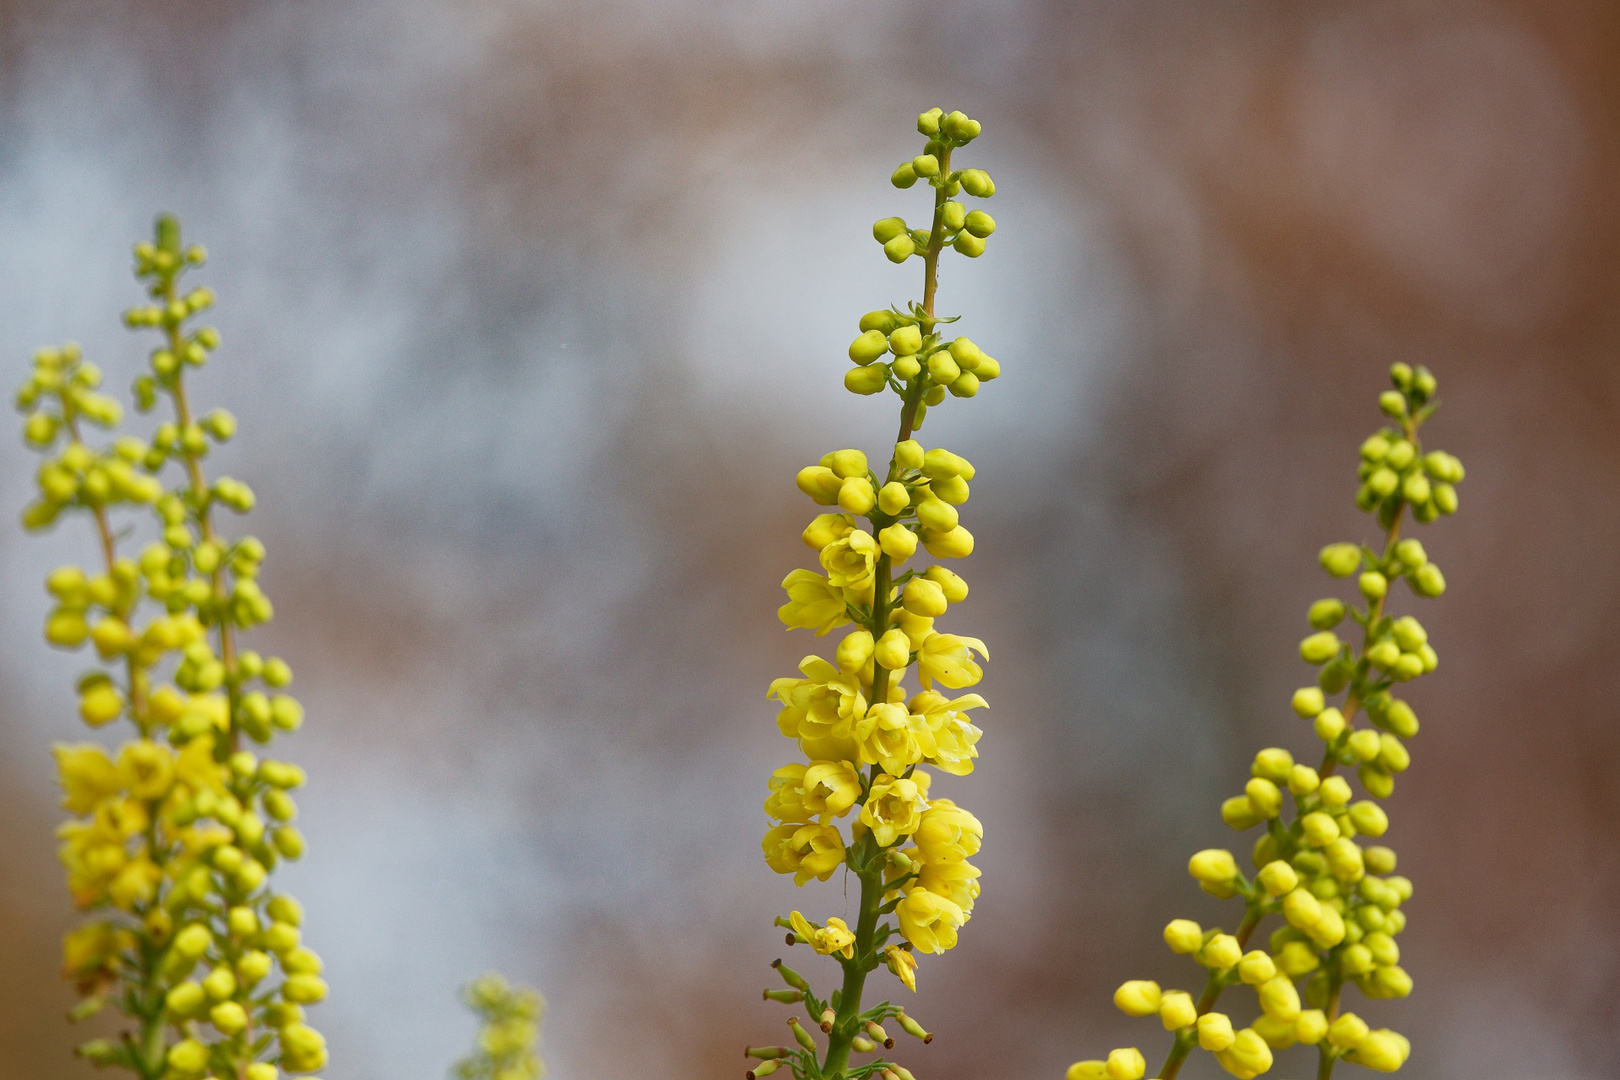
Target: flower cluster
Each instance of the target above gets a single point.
(510, 1017)
(1340, 902)
(866, 738)
(177, 830)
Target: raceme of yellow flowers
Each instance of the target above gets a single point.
(1339, 901)
(865, 736)
(175, 831)
(510, 1031)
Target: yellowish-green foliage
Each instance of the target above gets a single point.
(865, 736)
(177, 828)
(1339, 901)
(510, 1017)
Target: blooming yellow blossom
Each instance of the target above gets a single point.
(146, 769)
(949, 659)
(835, 937)
(805, 851)
(888, 736)
(948, 833)
(929, 921)
(812, 604)
(786, 801)
(831, 788)
(949, 739)
(87, 776)
(957, 882)
(820, 710)
(851, 562)
(894, 808)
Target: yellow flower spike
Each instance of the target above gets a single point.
(1138, 997)
(1177, 1010)
(1126, 1064)
(902, 965)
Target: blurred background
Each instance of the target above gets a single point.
(531, 312)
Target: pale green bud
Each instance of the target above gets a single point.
(968, 244)
(867, 381)
(1356, 960)
(965, 385)
(253, 966)
(1379, 860)
(1364, 745)
(887, 229)
(977, 182)
(1400, 719)
(1369, 818)
(1344, 860)
(979, 223)
(868, 347)
(1373, 585)
(1326, 614)
(1329, 724)
(1410, 553)
(1427, 580)
(1410, 633)
(1340, 560)
(900, 248)
(960, 127)
(1407, 667)
(1393, 404)
(1415, 489)
(1319, 828)
(1445, 498)
(1392, 753)
(904, 176)
(1240, 813)
(188, 1057)
(1375, 448)
(905, 340)
(1302, 780)
(184, 999)
(192, 941)
(1319, 648)
(952, 215)
(1384, 654)
(906, 368)
(1400, 455)
(1308, 702)
(925, 165)
(1334, 792)
(942, 368)
(1379, 783)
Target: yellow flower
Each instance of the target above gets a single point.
(957, 882)
(947, 833)
(851, 562)
(146, 769)
(196, 767)
(135, 884)
(820, 711)
(951, 737)
(812, 603)
(831, 788)
(87, 776)
(903, 965)
(88, 953)
(805, 851)
(929, 921)
(888, 736)
(826, 528)
(835, 937)
(786, 800)
(893, 808)
(949, 659)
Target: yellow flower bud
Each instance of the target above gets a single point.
(1356, 960)
(1392, 755)
(253, 966)
(909, 454)
(1278, 878)
(888, 228)
(1319, 828)
(1392, 982)
(1215, 1031)
(1087, 1070)
(1126, 1064)
(1247, 1057)
(854, 651)
(1221, 952)
(923, 597)
(1369, 818)
(820, 483)
(1308, 702)
(1256, 968)
(1177, 1010)
(898, 542)
(1213, 865)
(1264, 795)
(977, 182)
(1344, 860)
(1373, 585)
(942, 368)
(937, 515)
(184, 999)
(903, 177)
(1347, 1031)
(1183, 936)
(260, 1070)
(228, 1017)
(1278, 998)
(893, 498)
(1296, 959)
(1240, 813)
(1301, 909)
(1341, 560)
(243, 921)
(856, 496)
(900, 248)
(1382, 1050)
(1279, 1034)
(1329, 930)
(1311, 1027)
(1302, 780)
(1335, 792)
(893, 650)
(1364, 744)
(220, 983)
(1427, 580)
(954, 544)
(304, 989)
(188, 1057)
(1379, 784)
(1138, 997)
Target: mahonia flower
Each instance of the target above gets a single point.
(509, 1033)
(174, 834)
(1339, 901)
(868, 742)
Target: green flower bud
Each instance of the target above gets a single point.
(968, 244)
(228, 1017)
(1363, 745)
(977, 182)
(1264, 796)
(1400, 719)
(1427, 580)
(965, 385)
(188, 1057)
(868, 347)
(1383, 482)
(1445, 498)
(1407, 667)
(1393, 404)
(888, 228)
(953, 215)
(904, 176)
(1308, 702)
(1326, 614)
(1373, 585)
(989, 368)
(1302, 780)
(1378, 783)
(942, 368)
(1319, 648)
(900, 249)
(1329, 724)
(906, 368)
(1380, 860)
(1369, 818)
(925, 165)
(184, 999)
(1375, 448)
(192, 941)
(867, 381)
(1341, 560)
(1392, 754)
(905, 340)
(1415, 489)
(928, 122)
(1273, 764)
(960, 127)
(882, 320)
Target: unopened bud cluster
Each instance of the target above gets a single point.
(176, 831)
(1339, 900)
(867, 739)
(510, 1031)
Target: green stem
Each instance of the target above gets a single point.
(846, 1023)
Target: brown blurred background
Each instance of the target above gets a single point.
(531, 311)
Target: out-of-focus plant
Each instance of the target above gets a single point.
(177, 829)
(510, 1017)
(1339, 902)
(865, 737)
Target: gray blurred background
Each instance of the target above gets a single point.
(531, 312)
